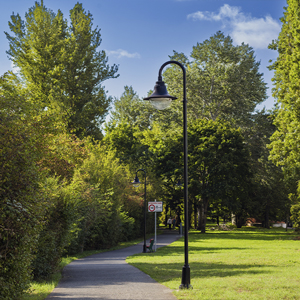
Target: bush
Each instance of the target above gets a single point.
(102, 186)
(21, 207)
(55, 237)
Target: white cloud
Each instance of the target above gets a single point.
(226, 11)
(122, 53)
(257, 32)
(199, 15)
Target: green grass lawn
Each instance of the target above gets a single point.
(250, 263)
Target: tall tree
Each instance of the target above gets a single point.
(60, 65)
(36, 49)
(219, 165)
(268, 192)
(86, 68)
(223, 81)
(285, 140)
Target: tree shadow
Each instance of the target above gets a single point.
(165, 272)
(249, 234)
(175, 250)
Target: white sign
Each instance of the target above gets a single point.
(155, 206)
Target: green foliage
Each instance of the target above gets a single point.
(123, 139)
(56, 234)
(223, 81)
(166, 146)
(86, 69)
(218, 165)
(61, 67)
(295, 212)
(269, 194)
(101, 185)
(284, 142)
(62, 154)
(130, 109)
(21, 205)
(166, 161)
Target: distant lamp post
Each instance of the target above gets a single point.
(161, 99)
(136, 183)
(178, 185)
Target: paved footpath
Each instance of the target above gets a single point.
(108, 276)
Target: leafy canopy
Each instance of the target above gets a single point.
(223, 81)
(60, 65)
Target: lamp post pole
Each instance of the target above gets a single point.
(162, 98)
(136, 183)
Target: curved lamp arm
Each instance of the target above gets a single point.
(183, 71)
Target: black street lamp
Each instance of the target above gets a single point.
(136, 183)
(160, 99)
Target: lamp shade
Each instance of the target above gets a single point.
(136, 183)
(160, 97)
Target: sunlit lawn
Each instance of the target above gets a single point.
(241, 264)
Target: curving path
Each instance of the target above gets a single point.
(108, 276)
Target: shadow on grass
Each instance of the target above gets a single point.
(164, 272)
(245, 234)
(175, 250)
(198, 241)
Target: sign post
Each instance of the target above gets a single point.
(155, 207)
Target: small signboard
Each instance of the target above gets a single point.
(155, 206)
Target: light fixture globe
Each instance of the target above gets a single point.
(136, 183)
(160, 97)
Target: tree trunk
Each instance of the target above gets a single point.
(204, 214)
(240, 221)
(190, 212)
(166, 215)
(267, 221)
(195, 214)
(199, 213)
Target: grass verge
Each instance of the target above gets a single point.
(249, 263)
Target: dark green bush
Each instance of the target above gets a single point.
(54, 238)
(21, 207)
(103, 220)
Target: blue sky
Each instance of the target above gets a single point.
(138, 35)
